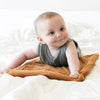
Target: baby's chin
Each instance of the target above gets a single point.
(60, 45)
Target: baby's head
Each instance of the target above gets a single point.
(48, 26)
(41, 18)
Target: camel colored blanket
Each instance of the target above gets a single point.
(35, 67)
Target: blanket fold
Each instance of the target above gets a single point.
(35, 67)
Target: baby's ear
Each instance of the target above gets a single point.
(40, 39)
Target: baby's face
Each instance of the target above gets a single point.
(53, 32)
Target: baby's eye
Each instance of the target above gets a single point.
(62, 29)
(51, 33)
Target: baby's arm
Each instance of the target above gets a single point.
(21, 58)
(73, 61)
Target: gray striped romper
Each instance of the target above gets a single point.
(60, 59)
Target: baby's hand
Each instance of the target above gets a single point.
(5, 70)
(75, 74)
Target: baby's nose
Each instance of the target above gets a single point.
(58, 34)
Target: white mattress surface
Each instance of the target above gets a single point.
(17, 34)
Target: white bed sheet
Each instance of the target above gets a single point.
(16, 37)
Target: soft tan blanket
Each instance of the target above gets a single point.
(35, 67)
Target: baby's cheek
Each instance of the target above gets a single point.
(66, 35)
(51, 41)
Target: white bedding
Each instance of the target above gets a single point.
(84, 29)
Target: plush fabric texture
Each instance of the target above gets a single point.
(35, 67)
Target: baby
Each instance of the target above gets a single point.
(55, 47)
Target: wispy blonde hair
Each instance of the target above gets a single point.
(45, 15)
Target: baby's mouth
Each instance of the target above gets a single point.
(60, 39)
